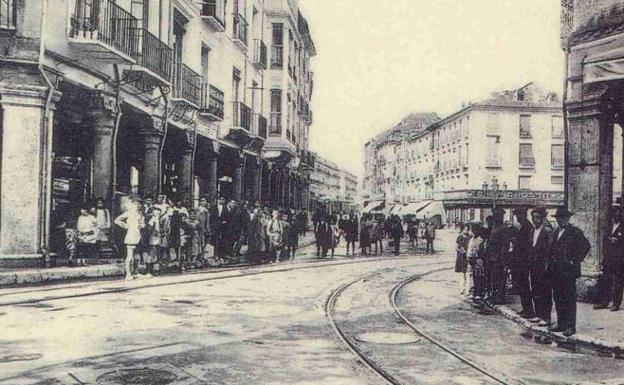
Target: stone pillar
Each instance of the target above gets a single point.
(590, 167)
(237, 180)
(255, 179)
(211, 185)
(186, 169)
(105, 123)
(152, 141)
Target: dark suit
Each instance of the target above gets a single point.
(519, 264)
(568, 251)
(611, 284)
(541, 289)
(219, 229)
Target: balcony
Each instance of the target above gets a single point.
(260, 125)
(213, 14)
(187, 85)
(260, 54)
(275, 128)
(277, 56)
(104, 30)
(240, 131)
(240, 31)
(153, 57)
(212, 104)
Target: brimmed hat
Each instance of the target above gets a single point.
(563, 212)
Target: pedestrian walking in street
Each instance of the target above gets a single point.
(611, 283)
(132, 221)
(519, 261)
(351, 233)
(430, 235)
(461, 260)
(476, 262)
(397, 233)
(570, 247)
(87, 234)
(275, 232)
(539, 256)
(323, 235)
(377, 236)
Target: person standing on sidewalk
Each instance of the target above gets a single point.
(377, 237)
(519, 262)
(570, 248)
(461, 262)
(87, 234)
(496, 249)
(396, 231)
(611, 284)
(351, 233)
(275, 232)
(539, 255)
(430, 234)
(474, 256)
(132, 221)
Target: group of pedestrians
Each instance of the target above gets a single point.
(165, 234)
(541, 262)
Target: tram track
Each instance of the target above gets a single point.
(375, 367)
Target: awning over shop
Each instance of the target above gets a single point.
(432, 209)
(374, 206)
(397, 209)
(414, 207)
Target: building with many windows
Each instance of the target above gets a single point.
(108, 98)
(506, 150)
(332, 188)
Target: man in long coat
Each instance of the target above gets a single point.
(495, 254)
(539, 255)
(611, 284)
(218, 222)
(519, 262)
(568, 251)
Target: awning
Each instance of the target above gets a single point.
(397, 209)
(374, 206)
(414, 207)
(432, 209)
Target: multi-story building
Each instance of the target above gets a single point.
(332, 188)
(506, 150)
(105, 98)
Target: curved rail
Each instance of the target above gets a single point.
(433, 340)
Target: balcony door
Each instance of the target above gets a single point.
(236, 80)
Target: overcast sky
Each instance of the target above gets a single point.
(378, 61)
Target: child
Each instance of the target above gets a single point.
(193, 231)
(461, 263)
(154, 236)
(87, 229)
(474, 255)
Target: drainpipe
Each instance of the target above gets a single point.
(566, 152)
(45, 178)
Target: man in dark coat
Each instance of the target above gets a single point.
(519, 261)
(539, 255)
(495, 254)
(218, 222)
(396, 232)
(568, 251)
(611, 284)
(323, 235)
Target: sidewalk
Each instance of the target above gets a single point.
(25, 277)
(597, 330)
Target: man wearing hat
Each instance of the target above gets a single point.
(495, 254)
(611, 284)
(569, 249)
(539, 255)
(519, 261)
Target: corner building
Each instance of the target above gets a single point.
(104, 99)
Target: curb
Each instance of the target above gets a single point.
(600, 346)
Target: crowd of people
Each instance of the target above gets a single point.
(542, 262)
(163, 235)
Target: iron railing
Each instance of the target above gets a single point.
(275, 127)
(212, 101)
(187, 84)
(214, 9)
(104, 21)
(8, 14)
(260, 53)
(260, 125)
(240, 28)
(153, 54)
(277, 56)
(241, 116)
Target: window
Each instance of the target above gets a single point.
(557, 126)
(275, 127)
(493, 125)
(524, 182)
(556, 179)
(493, 158)
(557, 156)
(205, 55)
(277, 48)
(525, 126)
(526, 155)
(135, 176)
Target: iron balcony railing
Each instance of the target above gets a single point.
(275, 126)
(240, 28)
(277, 56)
(187, 84)
(260, 53)
(8, 14)
(214, 9)
(104, 21)
(241, 116)
(153, 54)
(212, 101)
(260, 125)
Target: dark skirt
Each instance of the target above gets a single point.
(461, 263)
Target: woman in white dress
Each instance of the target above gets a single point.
(132, 221)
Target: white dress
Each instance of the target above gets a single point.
(132, 221)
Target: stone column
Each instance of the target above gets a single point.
(211, 185)
(105, 120)
(152, 141)
(590, 166)
(237, 180)
(185, 169)
(255, 180)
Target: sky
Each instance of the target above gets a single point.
(377, 61)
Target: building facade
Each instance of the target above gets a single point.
(105, 99)
(506, 150)
(332, 189)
